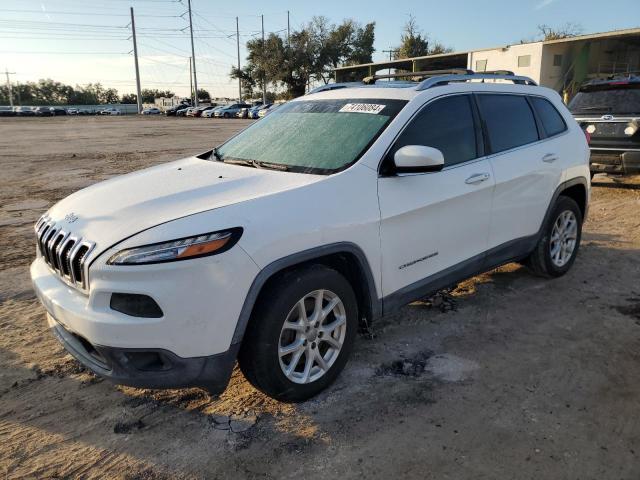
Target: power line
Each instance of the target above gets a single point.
(92, 14)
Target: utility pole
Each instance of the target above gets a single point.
(391, 51)
(135, 56)
(264, 80)
(193, 55)
(9, 91)
(288, 31)
(190, 82)
(239, 77)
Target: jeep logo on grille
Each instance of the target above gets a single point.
(607, 117)
(70, 217)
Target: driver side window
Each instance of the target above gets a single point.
(446, 124)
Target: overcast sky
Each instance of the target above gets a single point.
(80, 41)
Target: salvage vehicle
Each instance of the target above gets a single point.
(609, 112)
(335, 209)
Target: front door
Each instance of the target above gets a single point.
(437, 222)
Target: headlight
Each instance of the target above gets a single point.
(181, 249)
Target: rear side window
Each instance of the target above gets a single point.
(446, 124)
(509, 121)
(552, 121)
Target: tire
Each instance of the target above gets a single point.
(542, 261)
(226, 115)
(259, 357)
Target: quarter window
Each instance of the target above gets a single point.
(509, 121)
(446, 124)
(552, 121)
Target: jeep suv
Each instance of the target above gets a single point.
(339, 207)
(609, 112)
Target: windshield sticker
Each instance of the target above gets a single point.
(373, 108)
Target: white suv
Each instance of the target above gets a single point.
(342, 205)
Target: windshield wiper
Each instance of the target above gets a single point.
(237, 161)
(272, 166)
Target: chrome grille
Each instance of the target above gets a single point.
(64, 252)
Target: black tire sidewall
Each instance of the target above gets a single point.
(260, 348)
(563, 204)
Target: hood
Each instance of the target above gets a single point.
(110, 211)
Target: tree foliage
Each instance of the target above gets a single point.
(545, 32)
(310, 55)
(50, 92)
(414, 43)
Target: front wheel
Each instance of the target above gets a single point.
(558, 246)
(301, 334)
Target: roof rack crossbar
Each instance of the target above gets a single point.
(446, 79)
(428, 73)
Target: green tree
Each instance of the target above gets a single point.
(310, 55)
(413, 43)
(204, 95)
(129, 98)
(149, 95)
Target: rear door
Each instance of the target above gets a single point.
(527, 168)
(437, 220)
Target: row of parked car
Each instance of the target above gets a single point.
(44, 111)
(234, 110)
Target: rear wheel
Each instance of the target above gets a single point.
(557, 248)
(301, 334)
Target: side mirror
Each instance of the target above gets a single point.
(418, 159)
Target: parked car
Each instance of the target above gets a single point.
(72, 111)
(267, 110)
(230, 110)
(151, 111)
(110, 111)
(339, 206)
(254, 111)
(182, 112)
(24, 111)
(86, 111)
(171, 112)
(7, 112)
(59, 110)
(609, 112)
(210, 113)
(43, 111)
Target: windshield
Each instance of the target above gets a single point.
(314, 136)
(615, 101)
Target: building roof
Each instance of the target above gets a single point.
(577, 38)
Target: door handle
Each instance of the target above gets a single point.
(550, 158)
(477, 178)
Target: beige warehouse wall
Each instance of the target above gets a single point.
(506, 58)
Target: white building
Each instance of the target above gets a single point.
(559, 64)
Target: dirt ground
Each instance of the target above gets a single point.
(508, 376)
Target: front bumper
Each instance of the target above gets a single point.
(615, 161)
(149, 368)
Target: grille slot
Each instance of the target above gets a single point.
(64, 252)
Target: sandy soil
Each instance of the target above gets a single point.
(508, 376)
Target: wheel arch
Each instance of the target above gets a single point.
(345, 257)
(575, 188)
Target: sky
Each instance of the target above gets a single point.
(88, 41)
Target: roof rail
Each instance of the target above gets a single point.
(429, 73)
(446, 79)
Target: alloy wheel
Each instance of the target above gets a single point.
(563, 238)
(312, 336)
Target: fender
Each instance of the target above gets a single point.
(301, 257)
